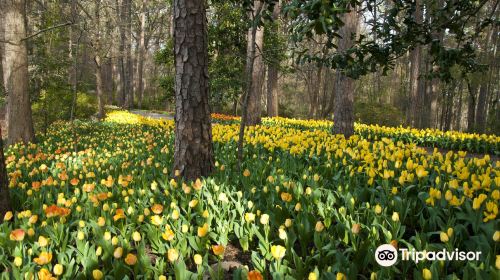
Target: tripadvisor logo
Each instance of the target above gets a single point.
(387, 255)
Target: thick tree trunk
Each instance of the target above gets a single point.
(4, 182)
(254, 101)
(343, 110)
(193, 155)
(2, 88)
(15, 73)
(416, 98)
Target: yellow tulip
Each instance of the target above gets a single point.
(58, 269)
(426, 274)
(172, 255)
(97, 274)
(198, 259)
(278, 251)
(202, 231)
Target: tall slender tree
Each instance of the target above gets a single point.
(255, 94)
(343, 110)
(15, 72)
(193, 152)
(272, 75)
(416, 100)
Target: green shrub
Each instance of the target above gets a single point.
(382, 114)
(52, 106)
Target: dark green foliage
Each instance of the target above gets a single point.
(275, 44)
(227, 50)
(52, 106)
(377, 113)
(396, 32)
(166, 81)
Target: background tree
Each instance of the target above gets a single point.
(15, 72)
(399, 29)
(255, 67)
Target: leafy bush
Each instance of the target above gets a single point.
(55, 105)
(381, 114)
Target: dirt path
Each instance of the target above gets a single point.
(153, 115)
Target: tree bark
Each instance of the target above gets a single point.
(129, 66)
(98, 62)
(482, 105)
(435, 84)
(415, 84)
(254, 101)
(4, 182)
(471, 107)
(193, 154)
(272, 91)
(142, 52)
(121, 83)
(343, 110)
(272, 77)
(15, 73)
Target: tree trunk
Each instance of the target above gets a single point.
(482, 105)
(193, 154)
(121, 88)
(99, 87)
(129, 67)
(415, 83)
(343, 110)
(4, 182)
(117, 79)
(272, 77)
(272, 91)
(98, 62)
(15, 73)
(435, 83)
(481, 109)
(471, 107)
(142, 52)
(254, 101)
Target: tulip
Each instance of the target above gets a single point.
(218, 250)
(58, 269)
(319, 226)
(136, 236)
(198, 259)
(426, 274)
(255, 275)
(118, 253)
(278, 251)
(97, 274)
(172, 255)
(130, 259)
